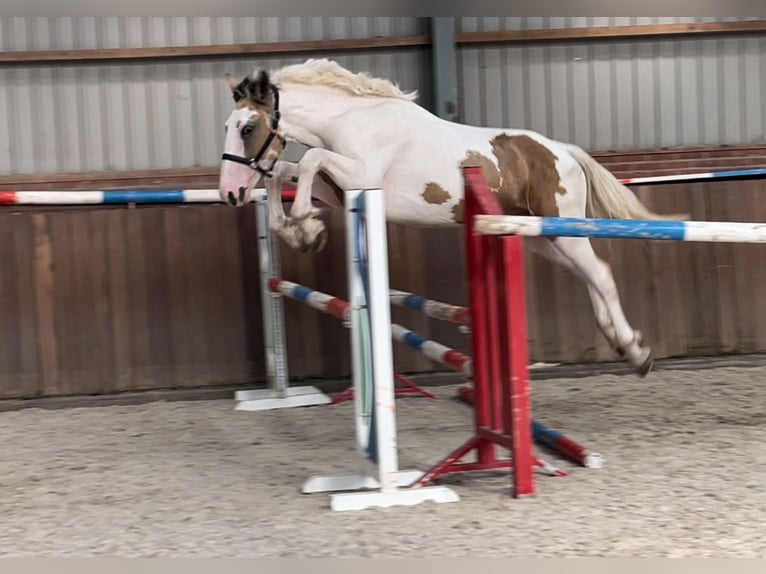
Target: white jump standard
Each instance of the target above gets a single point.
(378, 481)
(278, 394)
(373, 375)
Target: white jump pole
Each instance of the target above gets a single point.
(379, 483)
(279, 394)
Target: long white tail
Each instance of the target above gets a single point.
(607, 197)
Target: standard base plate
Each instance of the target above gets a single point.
(344, 482)
(268, 399)
(401, 496)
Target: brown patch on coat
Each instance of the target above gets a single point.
(529, 175)
(514, 176)
(435, 193)
(525, 179)
(491, 174)
(458, 212)
(507, 183)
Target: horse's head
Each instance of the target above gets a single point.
(253, 142)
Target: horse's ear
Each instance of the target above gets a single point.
(235, 84)
(260, 88)
(232, 80)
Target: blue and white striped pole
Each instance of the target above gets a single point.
(122, 197)
(671, 230)
(756, 173)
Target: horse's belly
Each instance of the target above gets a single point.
(424, 184)
(428, 203)
(420, 216)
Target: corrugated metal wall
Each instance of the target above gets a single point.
(603, 95)
(470, 24)
(81, 33)
(70, 118)
(618, 94)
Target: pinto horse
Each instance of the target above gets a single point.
(364, 132)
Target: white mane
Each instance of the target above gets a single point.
(329, 73)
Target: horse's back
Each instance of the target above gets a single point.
(527, 170)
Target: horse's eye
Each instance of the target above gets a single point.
(247, 130)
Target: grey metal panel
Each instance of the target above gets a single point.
(754, 99)
(621, 94)
(709, 69)
(603, 95)
(493, 24)
(560, 125)
(134, 115)
(444, 67)
(689, 111)
(89, 32)
(138, 116)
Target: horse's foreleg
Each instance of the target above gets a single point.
(304, 230)
(273, 184)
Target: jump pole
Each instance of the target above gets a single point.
(435, 351)
(372, 355)
(501, 226)
(174, 196)
(341, 310)
(430, 308)
(667, 230)
(122, 197)
(502, 413)
(552, 439)
(278, 394)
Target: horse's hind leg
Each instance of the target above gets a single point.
(579, 251)
(545, 248)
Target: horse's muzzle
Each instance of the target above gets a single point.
(232, 198)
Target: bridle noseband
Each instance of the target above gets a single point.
(252, 162)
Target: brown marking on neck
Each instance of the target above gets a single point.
(435, 193)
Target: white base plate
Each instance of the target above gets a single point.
(342, 482)
(375, 498)
(400, 497)
(267, 399)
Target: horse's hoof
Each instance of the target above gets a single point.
(320, 242)
(638, 339)
(315, 246)
(643, 369)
